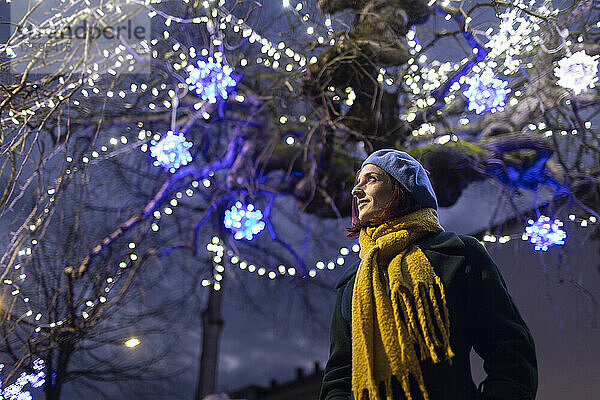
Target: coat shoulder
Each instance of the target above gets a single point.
(442, 242)
(452, 243)
(347, 275)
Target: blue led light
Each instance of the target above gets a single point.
(486, 93)
(15, 391)
(171, 151)
(244, 222)
(210, 79)
(545, 233)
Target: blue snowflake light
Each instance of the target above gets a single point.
(544, 233)
(35, 379)
(171, 151)
(210, 79)
(486, 93)
(244, 222)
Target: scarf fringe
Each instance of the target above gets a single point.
(373, 393)
(428, 309)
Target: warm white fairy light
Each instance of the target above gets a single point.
(131, 246)
(515, 37)
(422, 77)
(268, 48)
(216, 246)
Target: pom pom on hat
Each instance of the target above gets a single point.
(408, 171)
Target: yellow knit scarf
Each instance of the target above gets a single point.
(390, 333)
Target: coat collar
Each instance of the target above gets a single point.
(436, 247)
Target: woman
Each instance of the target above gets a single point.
(408, 315)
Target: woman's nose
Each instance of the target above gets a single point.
(357, 191)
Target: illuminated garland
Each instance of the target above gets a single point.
(216, 246)
(91, 158)
(517, 34)
(271, 50)
(429, 79)
(556, 237)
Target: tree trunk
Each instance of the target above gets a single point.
(56, 376)
(212, 325)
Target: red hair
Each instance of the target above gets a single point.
(401, 203)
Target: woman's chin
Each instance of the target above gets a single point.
(366, 220)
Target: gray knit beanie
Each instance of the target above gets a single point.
(408, 171)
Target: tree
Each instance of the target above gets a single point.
(271, 103)
(85, 325)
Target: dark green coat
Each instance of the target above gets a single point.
(482, 316)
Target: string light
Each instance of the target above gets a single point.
(111, 280)
(271, 274)
(119, 55)
(577, 71)
(514, 35)
(217, 247)
(525, 236)
(429, 78)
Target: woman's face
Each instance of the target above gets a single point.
(374, 189)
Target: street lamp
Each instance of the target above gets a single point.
(131, 343)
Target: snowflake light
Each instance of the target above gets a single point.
(210, 79)
(171, 151)
(35, 379)
(486, 93)
(244, 221)
(515, 35)
(577, 72)
(544, 233)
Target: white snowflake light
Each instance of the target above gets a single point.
(578, 71)
(516, 34)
